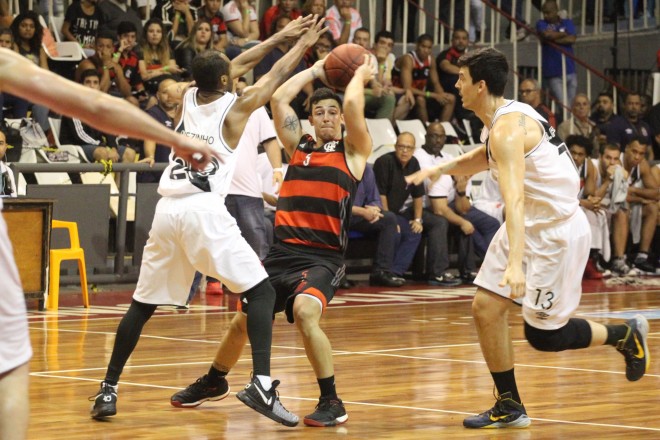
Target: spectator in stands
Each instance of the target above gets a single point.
(314, 7)
(579, 122)
(448, 198)
(604, 116)
(283, 7)
(18, 105)
(530, 93)
(343, 20)
(7, 183)
(6, 18)
(178, 18)
(115, 12)
(242, 24)
(129, 61)
(643, 196)
(621, 131)
(157, 61)
(28, 34)
(82, 21)
(266, 64)
(405, 201)
(164, 112)
(612, 186)
(369, 219)
(506, 6)
(654, 256)
(211, 11)
(448, 71)
(554, 32)
(590, 197)
(416, 73)
(96, 145)
(7, 38)
(113, 80)
(320, 50)
(199, 40)
(380, 96)
(362, 37)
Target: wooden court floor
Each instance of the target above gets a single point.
(407, 361)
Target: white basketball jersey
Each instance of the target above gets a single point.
(551, 181)
(201, 121)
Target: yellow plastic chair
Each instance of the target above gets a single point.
(75, 252)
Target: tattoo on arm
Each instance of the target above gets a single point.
(521, 123)
(291, 123)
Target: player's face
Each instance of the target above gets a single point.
(154, 34)
(5, 41)
(213, 6)
(383, 46)
(581, 107)
(26, 29)
(635, 153)
(460, 41)
(362, 39)
(469, 92)
(326, 117)
(404, 148)
(424, 49)
(3, 145)
(203, 34)
(609, 158)
(579, 154)
(92, 82)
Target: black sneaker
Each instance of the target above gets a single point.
(266, 402)
(386, 279)
(329, 412)
(199, 392)
(633, 347)
(446, 280)
(643, 264)
(507, 413)
(105, 401)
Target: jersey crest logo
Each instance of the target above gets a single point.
(330, 147)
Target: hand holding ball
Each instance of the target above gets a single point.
(340, 64)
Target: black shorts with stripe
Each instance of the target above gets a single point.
(293, 270)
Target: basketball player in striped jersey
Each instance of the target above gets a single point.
(192, 229)
(538, 255)
(306, 265)
(23, 78)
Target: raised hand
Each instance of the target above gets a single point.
(297, 27)
(310, 37)
(423, 174)
(365, 71)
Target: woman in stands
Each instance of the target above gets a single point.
(157, 62)
(199, 40)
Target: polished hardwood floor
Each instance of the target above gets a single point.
(408, 366)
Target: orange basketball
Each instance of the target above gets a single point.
(341, 63)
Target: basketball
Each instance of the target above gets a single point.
(341, 63)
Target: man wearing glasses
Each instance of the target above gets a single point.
(530, 93)
(407, 202)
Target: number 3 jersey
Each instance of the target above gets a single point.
(551, 181)
(203, 122)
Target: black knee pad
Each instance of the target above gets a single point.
(575, 334)
(263, 293)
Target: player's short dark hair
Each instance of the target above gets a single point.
(125, 27)
(580, 141)
(324, 93)
(87, 73)
(489, 65)
(207, 68)
(609, 146)
(424, 37)
(641, 140)
(383, 34)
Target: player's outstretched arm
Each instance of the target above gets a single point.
(285, 118)
(464, 165)
(251, 57)
(258, 95)
(23, 78)
(358, 142)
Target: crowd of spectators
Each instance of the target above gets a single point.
(138, 61)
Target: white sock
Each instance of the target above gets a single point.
(265, 382)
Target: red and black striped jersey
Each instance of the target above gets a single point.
(314, 206)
